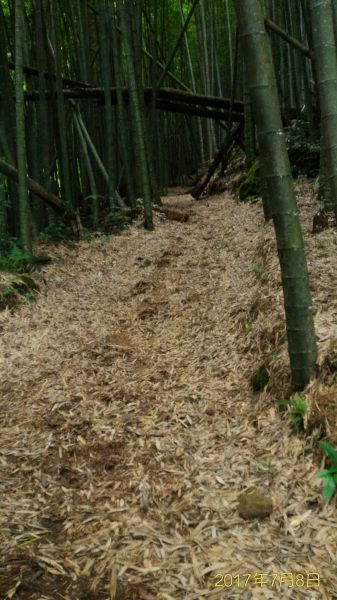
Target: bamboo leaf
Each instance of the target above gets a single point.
(328, 450)
(329, 487)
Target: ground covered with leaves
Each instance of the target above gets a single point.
(130, 429)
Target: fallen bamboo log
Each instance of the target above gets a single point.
(71, 216)
(33, 186)
(164, 94)
(35, 73)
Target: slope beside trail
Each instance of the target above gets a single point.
(129, 427)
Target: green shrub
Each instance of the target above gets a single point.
(15, 261)
(6, 243)
(19, 261)
(298, 409)
(56, 232)
(118, 219)
(329, 476)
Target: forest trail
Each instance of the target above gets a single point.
(129, 427)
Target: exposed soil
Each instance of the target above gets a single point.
(129, 428)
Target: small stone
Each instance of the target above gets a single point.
(210, 412)
(254, 505)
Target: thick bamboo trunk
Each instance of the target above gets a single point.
(137, 115)
(326, 70)
(108, 110)
(272, 145)
(21, 132)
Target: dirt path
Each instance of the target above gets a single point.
(129, 428)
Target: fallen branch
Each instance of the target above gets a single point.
(289, 39)
(200, 111)
(35, 72)
(220, 155)
(53, 201)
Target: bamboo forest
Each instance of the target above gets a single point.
(168, 299)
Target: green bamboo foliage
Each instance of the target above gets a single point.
(20, 130)
(262, 86)
(178, 42)
(326, 70)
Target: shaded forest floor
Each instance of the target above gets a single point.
(129, 427)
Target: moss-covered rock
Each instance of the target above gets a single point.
(250, 188)
(254, 505)
(260, 379)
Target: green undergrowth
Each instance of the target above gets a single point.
(118, 219)
(16, 279)
(18, 260)
(328, 475)
(304, 156)
(55, 233)
(297, 408)
(14, 287)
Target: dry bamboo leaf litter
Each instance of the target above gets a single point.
(129, 428)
